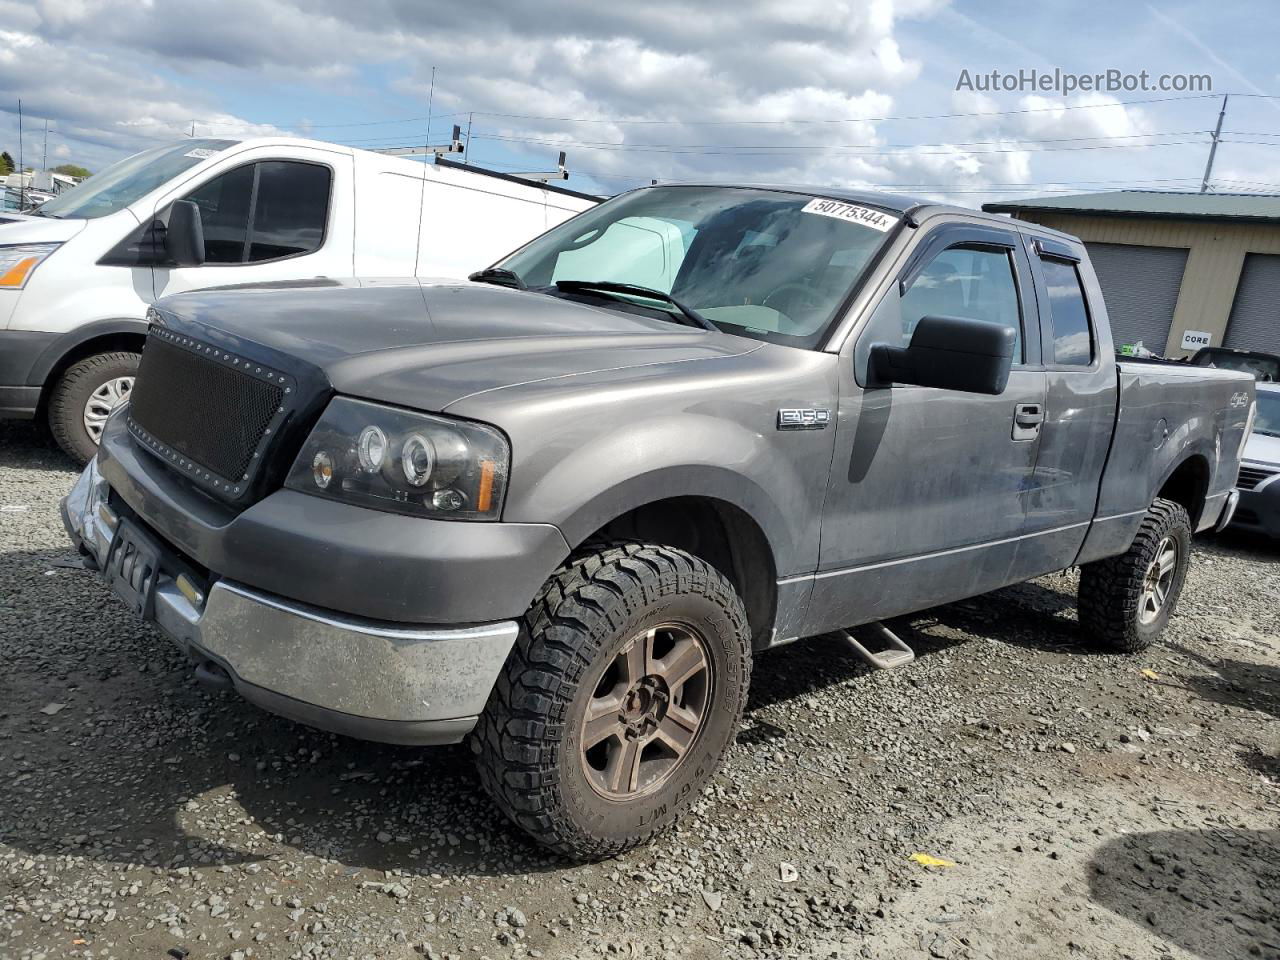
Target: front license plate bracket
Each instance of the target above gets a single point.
(133, 568)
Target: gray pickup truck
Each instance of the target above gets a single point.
(558, 510)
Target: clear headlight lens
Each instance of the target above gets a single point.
(402, 462)
(18, 262)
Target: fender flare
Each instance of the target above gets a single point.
(53, 355)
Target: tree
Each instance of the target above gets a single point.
(6, 164)
(71, 170)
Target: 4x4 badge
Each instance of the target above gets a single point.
(803, 418)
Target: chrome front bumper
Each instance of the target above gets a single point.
(363, 678)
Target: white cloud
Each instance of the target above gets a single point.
(103, 69)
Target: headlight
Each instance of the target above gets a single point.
(18, 262)
(402, 462)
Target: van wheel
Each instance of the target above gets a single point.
(1125, 601)
(87, 393)
(618, 701)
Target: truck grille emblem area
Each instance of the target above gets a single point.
(803, 418)
(207, 412)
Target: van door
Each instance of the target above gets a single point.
(267, 218)
(927, 498)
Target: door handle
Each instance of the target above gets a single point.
(1027, 418)
(1028, 415)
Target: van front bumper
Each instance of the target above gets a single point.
(365, 678)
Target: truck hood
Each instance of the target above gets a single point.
(20, 228)
(1260, 448)
(425, 344)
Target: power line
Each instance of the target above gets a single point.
(838, 152)
(551, 141)
(933, 116)
(307, 124)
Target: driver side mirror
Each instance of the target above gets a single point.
(184, 237)
(950, 353)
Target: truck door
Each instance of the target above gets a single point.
(267, 218)
(1080, 404)
(927, 498)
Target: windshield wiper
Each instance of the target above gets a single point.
(499, 276)
(635, 290)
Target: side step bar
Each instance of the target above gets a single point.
(895, 654)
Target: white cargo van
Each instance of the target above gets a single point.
(77, 276)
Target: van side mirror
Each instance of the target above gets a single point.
(950, 353)
(184, 238)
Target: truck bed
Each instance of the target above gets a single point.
(1169, 413)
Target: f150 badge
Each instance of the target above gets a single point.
(803, 418)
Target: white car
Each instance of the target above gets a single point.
(78, 274)
(1259, 480)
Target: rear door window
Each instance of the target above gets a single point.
(1072, 343)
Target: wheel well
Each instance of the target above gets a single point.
(101, 344)
(1187, 485)
(721, 534)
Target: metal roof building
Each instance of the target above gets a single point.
(1179, 270)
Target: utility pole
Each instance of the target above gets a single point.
(44, 163)
(466, 157)
(1213, 146)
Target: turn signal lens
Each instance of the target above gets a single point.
(322, 469)
(19, 261)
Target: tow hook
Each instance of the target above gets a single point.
(211, 676)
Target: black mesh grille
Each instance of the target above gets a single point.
(201, 407)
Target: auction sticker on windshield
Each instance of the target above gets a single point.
(875, 219)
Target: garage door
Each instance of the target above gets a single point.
(1255, 315)
(1140, 286)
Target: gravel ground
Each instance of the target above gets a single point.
(1083, 805)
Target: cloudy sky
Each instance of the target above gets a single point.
(858, 92)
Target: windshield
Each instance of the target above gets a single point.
(131, 179)
(765, 264)
(1268, 419)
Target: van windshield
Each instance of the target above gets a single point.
(766, 264)
(131, 179)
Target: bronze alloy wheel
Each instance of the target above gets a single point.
(646, 712)
(1158, 580)
(616, 705)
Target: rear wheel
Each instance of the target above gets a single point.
(1126, 601)
(618, 701)
(85, 396)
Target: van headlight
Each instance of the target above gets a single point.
(402, 462)
(19, 261)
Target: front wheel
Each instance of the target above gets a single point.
(84, 397)
(1126, 601)
(619, 700)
